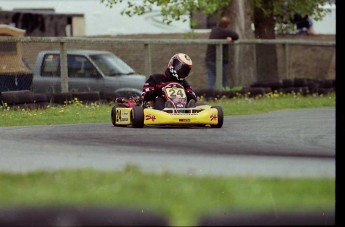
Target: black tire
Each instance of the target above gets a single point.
(91, 96)
(40, 97)
(300, 82)
(108, 96)
(252, 91)
(17, 97)
(62, 98)
(220, 117)
(137, 117)
(113, 116)
(80, 216)
(229, 94)
(265, 219)
(288, 83)
(41, 100)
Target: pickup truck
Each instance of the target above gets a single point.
(88, 70)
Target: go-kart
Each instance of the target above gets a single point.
(136, 113)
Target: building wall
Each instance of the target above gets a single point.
(39, 23)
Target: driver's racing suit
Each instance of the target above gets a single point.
(152, 89)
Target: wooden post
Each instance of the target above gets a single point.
(219, 66)
(286, 60)
(148, 62)
(63, 68)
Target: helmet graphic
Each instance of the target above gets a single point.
(180, 65)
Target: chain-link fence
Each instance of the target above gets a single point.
(294, 58)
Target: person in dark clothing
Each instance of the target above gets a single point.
(177, 70)
(219, 32)
(304, 24)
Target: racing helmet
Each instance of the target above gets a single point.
(180, 65)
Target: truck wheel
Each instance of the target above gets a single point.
(137, 117)
(220, 117)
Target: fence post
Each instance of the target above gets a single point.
(148, 62)
(219, 66)
(63, 68)
(286, 60)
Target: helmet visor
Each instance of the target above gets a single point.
(182, 70)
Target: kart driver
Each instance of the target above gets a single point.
(178, 69)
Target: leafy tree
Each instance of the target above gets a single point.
(171, 10)
(269, 11)
(270, 14)
(266, 15)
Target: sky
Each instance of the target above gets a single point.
(102, 20)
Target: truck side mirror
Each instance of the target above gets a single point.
(95, 74)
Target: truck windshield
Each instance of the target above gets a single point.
(111, 65)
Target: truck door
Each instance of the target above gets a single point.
(83, 75)
(48, 78)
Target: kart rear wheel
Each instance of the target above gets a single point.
(220, 117)
(137, 117)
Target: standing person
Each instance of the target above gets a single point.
(221, 31)
(304, 24)
(177, 70)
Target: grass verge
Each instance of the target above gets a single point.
(182, 199)
(77, 112)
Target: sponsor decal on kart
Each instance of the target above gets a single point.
(184, 120)
(213, 117)
(118, 115)
(183, 113)
(150, 117)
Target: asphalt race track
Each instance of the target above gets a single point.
(289, 143)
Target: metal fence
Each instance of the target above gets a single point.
(296, 58)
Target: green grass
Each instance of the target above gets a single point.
(182, 199)
(77, 112)
(273, 102)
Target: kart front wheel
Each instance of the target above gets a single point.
(220, 117)
(137, 117)
(114, 116)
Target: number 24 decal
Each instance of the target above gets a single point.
(175, 92)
